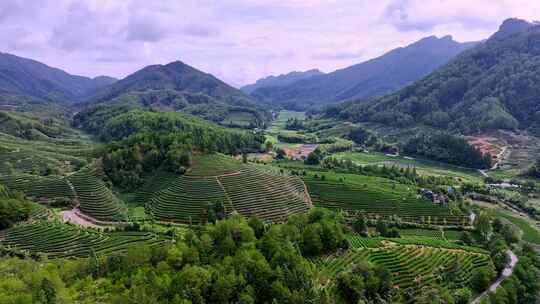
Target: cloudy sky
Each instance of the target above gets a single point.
(239, 41)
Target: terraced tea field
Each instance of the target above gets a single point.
(375, 196)
(84, 188)
(58, 240)
(94, 198)
(25, 156)
(412, 266)
(242, 188)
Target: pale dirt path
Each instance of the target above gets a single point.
(72, 217)
(505, 274)
(500, 157)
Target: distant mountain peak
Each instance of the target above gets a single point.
(512, 26)
(281, 80)
(377, 76)
(490, 87)
(28, 77)
(177, 86)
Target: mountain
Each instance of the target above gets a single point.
(27, 77)
(280, 81)
(493, 86)
(388, 72)
(179, 87)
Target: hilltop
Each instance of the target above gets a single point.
(179, 87)
(374, 77)
(22, 76)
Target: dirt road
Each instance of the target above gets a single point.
(505, 274)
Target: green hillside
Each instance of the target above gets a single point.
(179, 87)
(493, 86)
(376, 196)
(29, 127)
(22, 76)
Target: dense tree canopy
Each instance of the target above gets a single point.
(13, 208)
(448, 148)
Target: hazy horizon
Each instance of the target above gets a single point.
(238, 41)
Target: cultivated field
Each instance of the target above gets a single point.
(412, 264)
(57, 240)
(242, 188)
(376, 196)
(422, 166)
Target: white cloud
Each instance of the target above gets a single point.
(237, 40)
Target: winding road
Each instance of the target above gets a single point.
(505, 274)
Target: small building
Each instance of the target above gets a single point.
(439, 199)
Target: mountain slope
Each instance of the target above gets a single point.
(493, 86)
(179, 87)
(388, 72)
(280, 81)
(21, 76)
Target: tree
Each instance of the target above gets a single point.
(311, 240)
(481, 279)
(466, 238)
(360, 225)
(462, 296)
(351, 287)
(483, 225)
(361, 136)
(280, 153)
(314, 158)
(382, 227)
(47, 293)
(193, 283)
(257, 225)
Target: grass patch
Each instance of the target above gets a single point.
(424, 167)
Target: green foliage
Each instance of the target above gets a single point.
(13, 209)
(150, 140)
(483, 225)
(534, 171)
(314, 158)
(31, 128)
(225, 263)
(360, 225)
(294, 124)
(482, 278)
(363, 284)
(523, 286)
(447, 148)
(361, 136)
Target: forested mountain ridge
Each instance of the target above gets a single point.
(22, 76)
(374, 77)
(280, 80)
(493, 86)
(179, 87)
